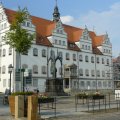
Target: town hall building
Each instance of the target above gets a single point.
(86, 57)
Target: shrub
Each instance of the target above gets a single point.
(22, 93)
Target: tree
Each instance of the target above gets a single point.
(17, 37)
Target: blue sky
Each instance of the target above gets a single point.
(102, 15)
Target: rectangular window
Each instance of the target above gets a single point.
(4, 52)
(64, 43)
(98, 60)
(35, 52)
(59, 42)
(10, 51)
(81, 72)
(74, 57)
(43, 53)
(0, 52)
(102, 60)
(55, 41)
(80, 58)
(44, 70)
(92, 73)
(4, 82)
(67, 56)
(35, 82)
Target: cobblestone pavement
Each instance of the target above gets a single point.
(65, 111)
(100, 116)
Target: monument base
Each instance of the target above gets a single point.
(54, 87)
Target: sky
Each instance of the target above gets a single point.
(99, 15)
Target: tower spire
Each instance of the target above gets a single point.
(56, 14)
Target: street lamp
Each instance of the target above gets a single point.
(10, 68)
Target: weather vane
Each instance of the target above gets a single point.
(56, 2)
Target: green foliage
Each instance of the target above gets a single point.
(22, 93)
(17, 37)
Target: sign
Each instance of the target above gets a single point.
(26, 73)
(17, 76)
(117, 94)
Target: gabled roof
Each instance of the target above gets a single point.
(45, 27)
(75, 48)
(97, 51)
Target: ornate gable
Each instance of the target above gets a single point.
(59, 36)
(106, 40)
(28, 22)
(59, 28)
(85, 34)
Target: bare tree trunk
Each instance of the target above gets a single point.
(20, 71)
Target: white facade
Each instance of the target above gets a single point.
(92, 69)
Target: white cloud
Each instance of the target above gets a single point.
(108, 20)
(67, 19)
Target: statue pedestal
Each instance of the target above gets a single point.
(54, 87)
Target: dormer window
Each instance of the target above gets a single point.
(55, 41)
(88, 47)
(72, 45)
(85, 37)
(24, 24)
(61, 31)
(28, 24)
(57, 30)
(82, 46)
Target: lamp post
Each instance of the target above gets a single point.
(10, 68)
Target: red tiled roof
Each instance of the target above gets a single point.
(45, 27)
